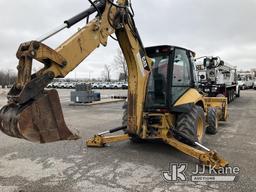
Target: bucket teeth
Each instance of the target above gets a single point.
(38, 121)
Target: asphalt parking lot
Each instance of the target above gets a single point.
(71, 166)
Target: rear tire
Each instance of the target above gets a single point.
(238, 92)
(212, 120)
(233, 94)
(229, 95)
(191, 125)
(133, 138)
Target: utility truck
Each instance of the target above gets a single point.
(217, 78)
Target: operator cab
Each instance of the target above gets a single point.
(171, 76)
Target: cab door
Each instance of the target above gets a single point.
(182, 74)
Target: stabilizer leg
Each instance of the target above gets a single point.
(208, 157)
(100, 140)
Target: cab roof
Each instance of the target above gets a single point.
(166, 48)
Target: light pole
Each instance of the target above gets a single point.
(90, 72)
(8, 77)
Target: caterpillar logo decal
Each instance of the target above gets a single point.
(144, 60)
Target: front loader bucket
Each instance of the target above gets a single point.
(40, 120)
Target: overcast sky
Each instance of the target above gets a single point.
(209, 27)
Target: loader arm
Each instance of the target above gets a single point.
(34, 113)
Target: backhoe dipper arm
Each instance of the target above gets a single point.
(34, 113)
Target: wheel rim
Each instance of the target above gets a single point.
(200, 129)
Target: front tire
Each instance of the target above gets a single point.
(238, 92)
(212, 120)
(190, 127)
(229, 96)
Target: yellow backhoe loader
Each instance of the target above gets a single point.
(163, 101)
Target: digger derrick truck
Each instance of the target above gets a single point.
(163, 102)
(217, 78)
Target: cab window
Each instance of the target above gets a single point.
(181, 76)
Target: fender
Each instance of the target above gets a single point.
(191, 96)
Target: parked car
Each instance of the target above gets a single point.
(62, 85)
(116, 85)
(56, 85)
(254, 85)
(104, 85)
(71, 85)
(245, 82)
(125, 86)
(95, 85)
(50, 85)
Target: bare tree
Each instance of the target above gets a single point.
(106, 73)
(121, 65)
(7, 78)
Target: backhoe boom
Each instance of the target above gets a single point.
(29, 88)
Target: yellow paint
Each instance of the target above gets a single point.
(191, 96)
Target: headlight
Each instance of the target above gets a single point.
(214, 89)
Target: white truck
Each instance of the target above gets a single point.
(217, 78)
(245, 80)
(254, 85)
